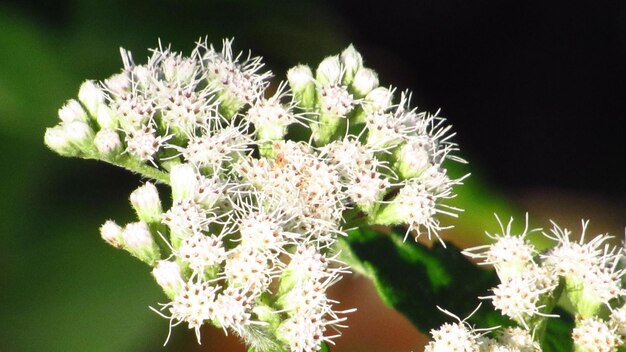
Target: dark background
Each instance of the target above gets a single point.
(535, 90)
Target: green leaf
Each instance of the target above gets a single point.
(558, 337)
(415, 279)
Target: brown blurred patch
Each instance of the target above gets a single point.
(567, 208)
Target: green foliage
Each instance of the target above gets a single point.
(415, 279)
(558, 336)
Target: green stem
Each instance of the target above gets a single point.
(540, 327)
(136, 166)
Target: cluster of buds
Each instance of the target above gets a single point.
(589, 274)
(248, 241)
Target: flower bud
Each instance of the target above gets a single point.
(72, 111)
(91, 96)
(112, 233)
(145, 200)
(352, 62)
(139, 242)
(302, 85)
(80, 135)
(364, 81)
(183, 181)
(108, 143)
(56, 139)
(378, 99)
(118, 84)
(167, 275)
(414, 157)
(329, 71)
(106, 118)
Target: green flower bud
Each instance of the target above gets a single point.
(106, 118)
(91, 96)
(352, 63)
(57, 140)
(112, 234)
(73, 111)
(229, 104)
(145, 200)
(80, 135)
(329, 71)
(168, 275)
(414, 157)
(267, 314)
(302, 85)
(108, 143)
(378, 99)
(139, 242)
(584, 299)
(364, 81)
(183, 181)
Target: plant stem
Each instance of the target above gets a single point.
(136, 166)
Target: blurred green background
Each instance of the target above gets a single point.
(535, 95)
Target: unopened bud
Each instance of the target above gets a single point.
(301, 82)
(107, 142)
(118, 84)
(145, 200)
(112, 233)
(91, 96)
(139, 242)
(378, 99)
(72, 111)
(56, 139)
(352, 62)
(364, 81)
(414, 157)
(183, 181)
(329, 71)
(106, 118)
(79, 134)
(167, 275)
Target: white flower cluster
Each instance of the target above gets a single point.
(247, 244)
(589, 274)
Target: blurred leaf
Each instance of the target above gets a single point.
(415, 280)
(558, 336)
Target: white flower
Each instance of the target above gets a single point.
(250, 268)
(238, 83)
(335, 100)
(200, 252)
(214, 150)
(510, 254)
(594, 335)
(519, 298)
(453, 337)
(194, 304)
(518, 339)
(143, 143)
(590, 269)
(233, 310)
(417, 206)
(186, 218)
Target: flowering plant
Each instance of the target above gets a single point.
(277, 189)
